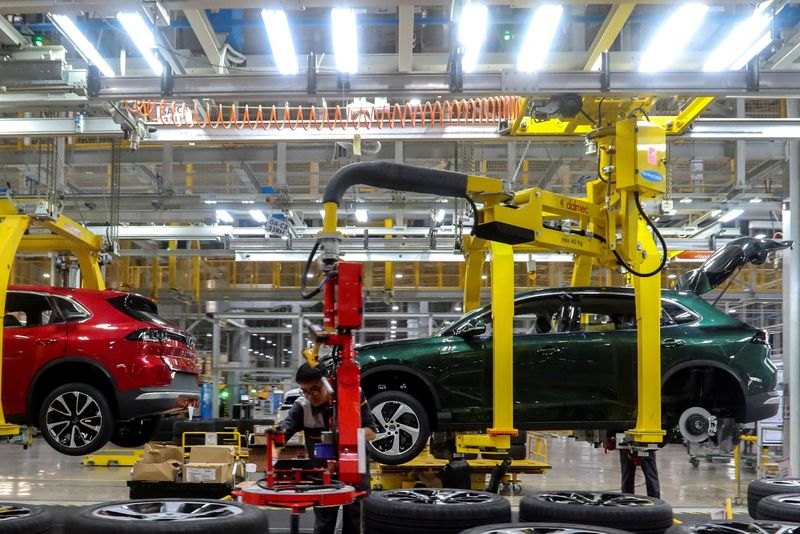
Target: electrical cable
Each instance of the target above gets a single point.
(303, 283)
(658, 235)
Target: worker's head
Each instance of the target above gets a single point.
(310, 381)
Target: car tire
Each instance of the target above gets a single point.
(178, 515)
(734, 527)
(425, 510)
(397, 415)
(136, 432)
(57, 424)
(18, 518)
(636, 513)
(758, 489)
(542, 528)
(781, 508)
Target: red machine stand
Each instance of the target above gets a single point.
(298, 500)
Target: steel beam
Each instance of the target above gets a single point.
(612, 25)
(777, 83)
(791, 297)
(787, 54)
(405, 38)
(204, 32)
(9, 36)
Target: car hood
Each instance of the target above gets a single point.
(727, 261)
(366, 347)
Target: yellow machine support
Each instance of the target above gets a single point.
(607, 228)
(65, 235)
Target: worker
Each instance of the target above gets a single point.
(628, 462)
(311, 413)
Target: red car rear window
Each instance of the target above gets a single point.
(139, 308)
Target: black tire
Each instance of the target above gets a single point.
(425, 510)
(731, 527)
(784, 507)
(225, 517)
(636, 513)
(136, 432)
(541, 528)
(758, 489)
(393, 429)
(24, 519)
(76, 438)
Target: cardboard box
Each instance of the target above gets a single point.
(157, 453)
(212, 454)
(207, 472)
(156, 472)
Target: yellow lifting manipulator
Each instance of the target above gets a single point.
(65, 234)
(608, 228)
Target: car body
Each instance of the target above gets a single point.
(571, 373)
(106, 349)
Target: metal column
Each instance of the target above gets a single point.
(216, 374)
(791, 302)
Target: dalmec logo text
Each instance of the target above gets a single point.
(574, 206)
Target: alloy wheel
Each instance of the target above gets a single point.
(736, 527)
(9, 512)
(543, 529)
(437, 496)
(398, 427)
(590, 498)
(167, 511)
(74, 419)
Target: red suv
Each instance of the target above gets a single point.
(88, 366)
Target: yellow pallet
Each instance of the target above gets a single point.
(113, 458)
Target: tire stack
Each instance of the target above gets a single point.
(635, 513)
(24, 519)
(758, 489)
(785, 507)
(426, 510)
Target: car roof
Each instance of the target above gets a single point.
(671, 293)
(67, 291)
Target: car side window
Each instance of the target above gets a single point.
(602, 313)
(27, 310)
(537, 315)
(677, 313)
(70, 310)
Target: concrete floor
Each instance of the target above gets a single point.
(40, 475)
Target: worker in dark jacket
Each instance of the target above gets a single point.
(311, 414)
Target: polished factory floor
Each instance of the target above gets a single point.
(40, 475)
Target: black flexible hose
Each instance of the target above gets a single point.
(658, 235)
(303, 283)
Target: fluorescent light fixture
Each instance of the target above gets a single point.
(45, 275)
(394, 322)
(309, 275)
(756, 200)
(248, 202)
(395, 308)
(743, 42)
(672, 276)
(287, 325)
(685, 200)
(439, 216)
(731, 215)
(399, 276)
(539, 38)
(345, 40)
(280, 40)
(484, 277)
(142, 36)
(85, 48)
(224, 216)
(457, 308)
(732, 311)
(760, 236)
(361, 215)
(209, 202)
(258, 216)
(472, 34)
(672, 37)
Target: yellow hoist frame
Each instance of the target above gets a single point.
(603, 229)
(64, 235)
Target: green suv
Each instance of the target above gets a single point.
(574, 368)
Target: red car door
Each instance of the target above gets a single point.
(33, 334)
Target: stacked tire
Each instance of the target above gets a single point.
(425, 510)
(635, 513)
(732, 527)
(542, 528)
(780, 508)
(24, 519)
(758, 489)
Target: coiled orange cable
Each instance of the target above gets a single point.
(472, 112)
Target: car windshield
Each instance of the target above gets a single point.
(139, 308)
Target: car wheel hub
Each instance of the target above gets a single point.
(398, 428)
(697, 424)
(437, 496)
(74, 419)
(167, 511)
